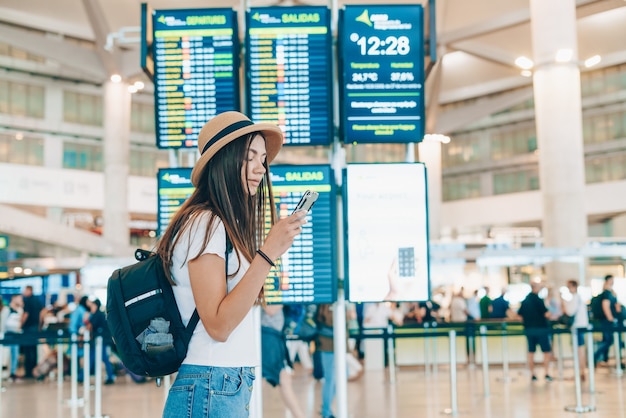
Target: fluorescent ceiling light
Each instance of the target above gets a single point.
(437, 138)
(591, 61)
(116, 78)
(524, 62)
(526, 73)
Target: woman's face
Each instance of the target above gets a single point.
(253, 170)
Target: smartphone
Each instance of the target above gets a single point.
(306, 202)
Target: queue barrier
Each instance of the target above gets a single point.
(504, 330)
(59, 338)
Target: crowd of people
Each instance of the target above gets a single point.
(24, 317)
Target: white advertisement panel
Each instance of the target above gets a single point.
(387, 223)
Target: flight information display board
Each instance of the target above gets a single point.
(174, 187)
(196, 71)
(306, 272)
(288, 71)
(382, 73)
(387, 221)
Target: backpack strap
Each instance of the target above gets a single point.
(195, 317)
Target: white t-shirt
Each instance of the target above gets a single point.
(240, 349)
(577, 308)
(458, 309)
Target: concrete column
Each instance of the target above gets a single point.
(53, 146)
(116, 159)
(430, 155)
(558, 115)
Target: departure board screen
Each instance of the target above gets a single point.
(288, 70)
(387, 221)
(306, 272)
(174, 187)
(196, 71)
(382, 73)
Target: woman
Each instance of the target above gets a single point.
(233, 198)
(277, 367)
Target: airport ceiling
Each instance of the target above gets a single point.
(478, 39)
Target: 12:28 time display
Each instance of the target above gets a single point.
(373, 45)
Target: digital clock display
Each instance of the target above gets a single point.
(382, 76)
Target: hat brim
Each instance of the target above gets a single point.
(273, 142)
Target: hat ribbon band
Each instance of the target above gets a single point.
(227, 130)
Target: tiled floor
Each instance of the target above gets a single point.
(416, 393)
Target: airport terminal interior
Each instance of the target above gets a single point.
(512, 175)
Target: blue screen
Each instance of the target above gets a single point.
(196, 71)
(382, 74)
(174, 187)
(288, 71)
(306, 273)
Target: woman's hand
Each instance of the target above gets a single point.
(282, 234)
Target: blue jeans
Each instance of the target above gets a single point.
(328, 389)
(15, 357)
(206, 391)
(602, 352)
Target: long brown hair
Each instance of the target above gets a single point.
(222, 192)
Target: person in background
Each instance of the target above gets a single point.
(576, 307)
(610, 311)
(232, 204)
(485, 305)
(326, 347)
(473, 314)
(78, 319)
(13, 325)
(458, 307)
(500, 308)
(473, 307)
(97, 325)
(535, 319)
(30, 325)
(276, 366)
(554, 304)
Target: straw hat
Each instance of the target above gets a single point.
(226, 127)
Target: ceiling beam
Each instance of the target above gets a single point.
(583, 8)
(101, 30)
(457, 118)
(486, 52)
(56, 49)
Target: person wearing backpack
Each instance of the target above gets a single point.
(232, 198)
(608, 320)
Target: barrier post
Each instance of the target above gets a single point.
(391, 355)
(86, 373)
(74, 401)
(579, 407)
(590, 362)
(453, 392)
(426, 351)
(433, 342)
(98, 365)
(505, 355)
(2, 388)
(485, 359)
(60, 365)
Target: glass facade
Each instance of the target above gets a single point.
(21, 99)
(492, 147)
(21, 149)
(84, 109)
